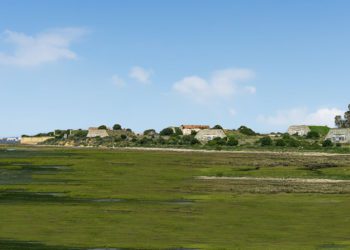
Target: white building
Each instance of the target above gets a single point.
(300, 130)
(339, 135)
(187, 129)
(206, 135)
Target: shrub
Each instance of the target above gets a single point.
(293, 143)
(145, 141)
(178, 131)
(280, 143)
(313, 135)
(102, 127)
(327, 143)
(149, 132)
(194, 141)
(193, 132)
(123, 137)
(167, 131)
(232, 141)
(246, 131)
(79, 133)
(117, 127)
(265, 141)
(217, 141)
(217, 127)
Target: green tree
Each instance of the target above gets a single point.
(327, 143)
(102, 127)
(149, 132)
(246, 131)
(117, 127)
(167, 131)
(265, 141)
(313, 135)
(217, 127)
(232, 141)
(280, 143)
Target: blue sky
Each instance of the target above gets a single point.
(151, 64)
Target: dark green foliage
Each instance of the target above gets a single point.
(290, 141)
(44, 134)
(217, 142)
(280, 143)
(265, 141)
(145, 141)
(167, 132)
(232, 141)
(343, 122)
(123, 136)
(327, 143)
(246, 131)
(79, 133)
(178, 131)
(313, 135)
(149, 132)
(217, 127)
(117, 127)
(102, 127)
(189, 140)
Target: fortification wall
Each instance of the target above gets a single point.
(34, 140)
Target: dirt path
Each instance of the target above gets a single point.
(300, 180)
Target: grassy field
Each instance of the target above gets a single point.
(56, 198)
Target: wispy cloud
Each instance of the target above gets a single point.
(222, 84)
(45, 47)
(140, 74)
(118, 81)
(322, 116)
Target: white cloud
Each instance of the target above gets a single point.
(222, 84)
(45, 47)
(323, 116)
(140, 74)
(118, 81)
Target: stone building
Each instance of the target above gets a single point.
(300, 130)
(206, 135)
(187, 129)
(96, 132)
(339, 135)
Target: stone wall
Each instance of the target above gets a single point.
(95, 132)
(300, 130)
(35, 140)
(206, 135)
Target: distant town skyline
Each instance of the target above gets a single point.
(152, 64)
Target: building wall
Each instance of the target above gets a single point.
(35, 140)
(187, 131)
(93, 132)
(206, 135)
(339, 135)
(300, 130)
